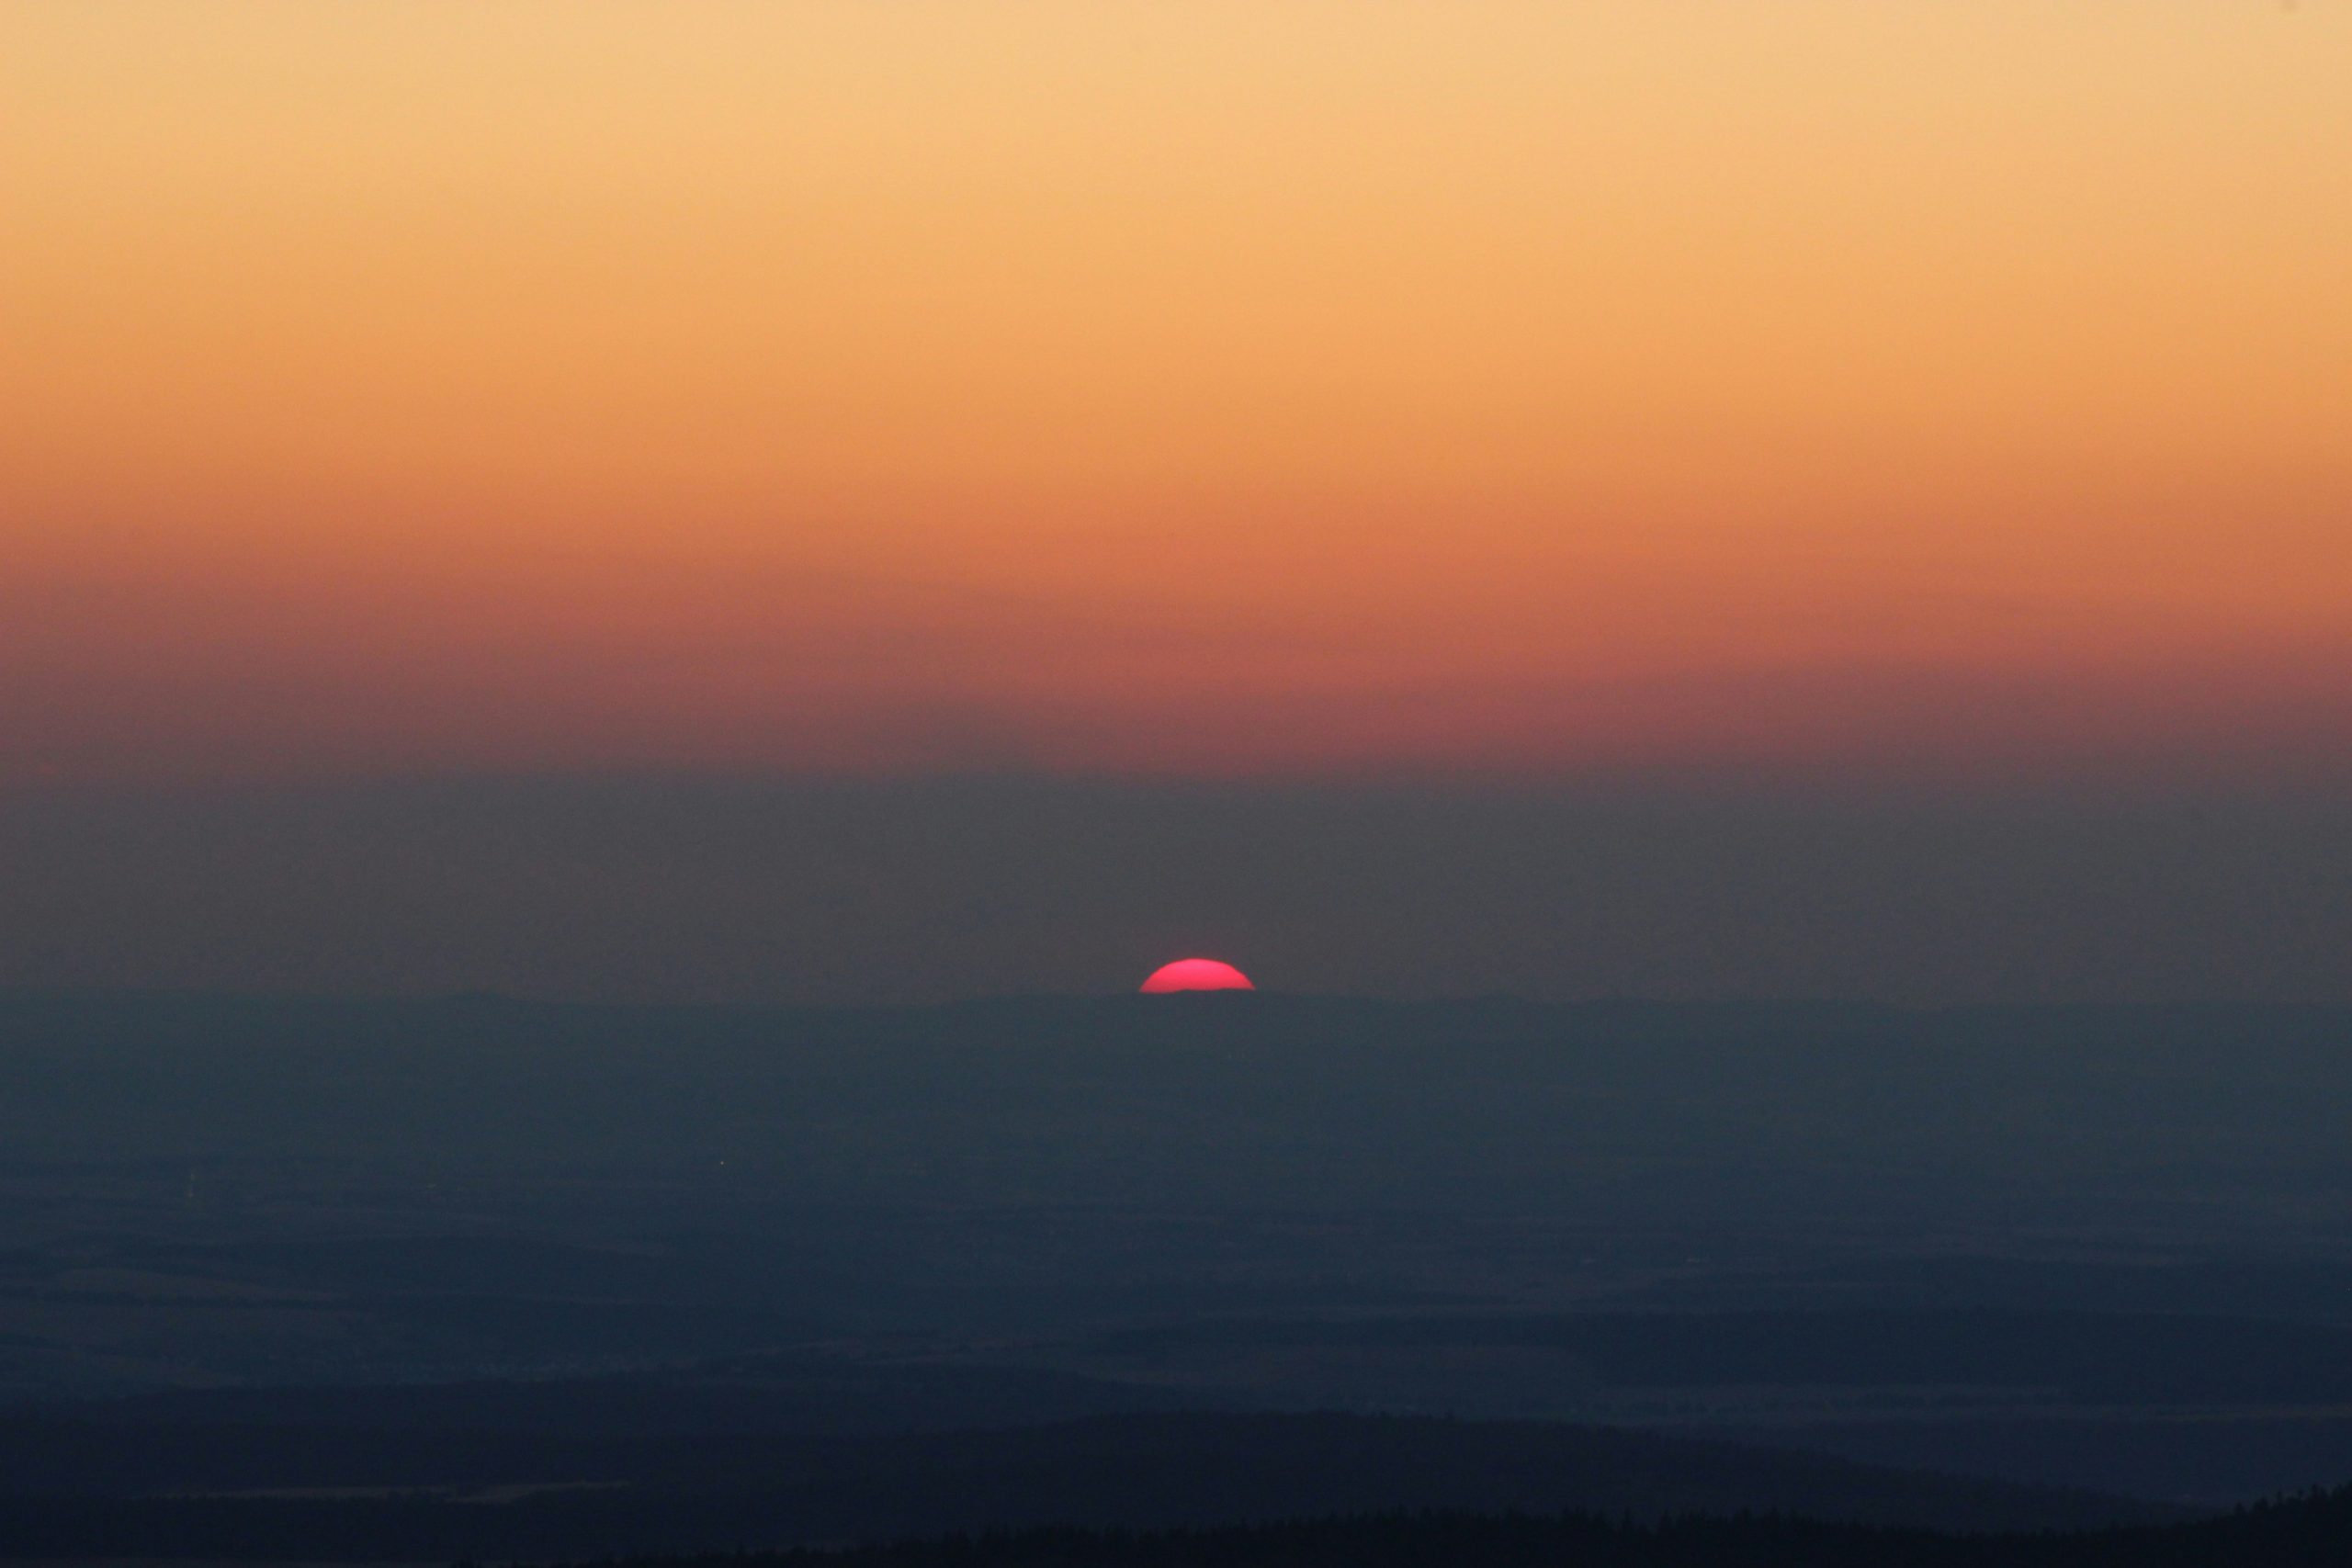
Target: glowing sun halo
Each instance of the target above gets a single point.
(1196, 974)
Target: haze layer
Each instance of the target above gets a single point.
(1203, 389)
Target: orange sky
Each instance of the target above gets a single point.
(1192, 388)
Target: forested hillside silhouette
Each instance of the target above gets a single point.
(2307, 1532)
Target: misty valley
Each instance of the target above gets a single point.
(314, 1279)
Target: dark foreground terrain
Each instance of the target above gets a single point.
(2313, 1532)
(324, 1488)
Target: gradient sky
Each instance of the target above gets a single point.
(1204, 389)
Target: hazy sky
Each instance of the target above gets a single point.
(1230, 390)
(929, 889)
(891, 500)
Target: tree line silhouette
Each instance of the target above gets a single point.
(2308, 1531)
